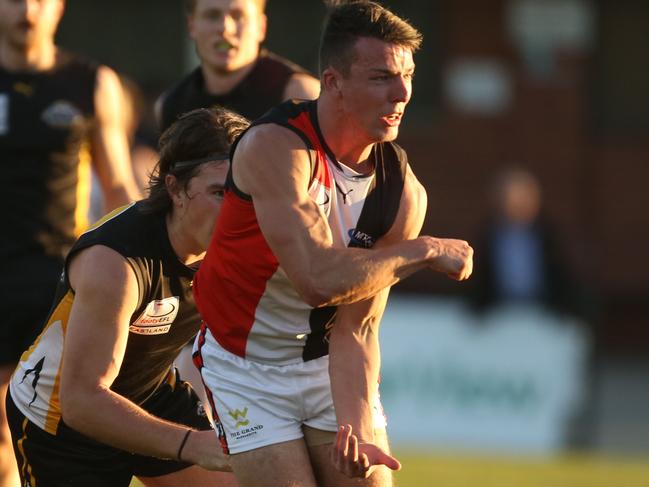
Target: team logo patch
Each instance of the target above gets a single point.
(157, 317)
(62, 114)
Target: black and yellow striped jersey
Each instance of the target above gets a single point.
(45, 123)
(163, 322)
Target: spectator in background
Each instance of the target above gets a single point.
(517, 257)
(58, 112)
(235, 72)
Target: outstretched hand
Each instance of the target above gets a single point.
(358, 459)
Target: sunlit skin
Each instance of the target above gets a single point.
(196, 208)
(27, 29)
(370, 100)
(227, 33)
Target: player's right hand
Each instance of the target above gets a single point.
(358, 459)
(453, 258)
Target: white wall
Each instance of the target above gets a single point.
(508, 382)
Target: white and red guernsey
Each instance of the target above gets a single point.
(248, 304)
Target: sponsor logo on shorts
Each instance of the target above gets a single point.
(157, 318)
(244, 429)
(236, 414)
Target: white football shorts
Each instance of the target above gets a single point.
(256, 405)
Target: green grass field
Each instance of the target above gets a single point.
(567, 471)
(441, 470)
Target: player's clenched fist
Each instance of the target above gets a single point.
(452, 257)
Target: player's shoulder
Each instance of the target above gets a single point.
(74, 68)
(129, 230)
(287, 122)
(270, 60)
(173, 101)
(179, 89)
(269, 138)
(72, 60)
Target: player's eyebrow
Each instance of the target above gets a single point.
(392, 72)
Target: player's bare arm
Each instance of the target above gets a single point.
(302, 86)
(106, 294)
(110, 149)
(272, 165)
(354, 351)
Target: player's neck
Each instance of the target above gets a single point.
(344, 140)
(223, 82)
(39, 57)
(184, 245)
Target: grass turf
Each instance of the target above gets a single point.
(573, 470)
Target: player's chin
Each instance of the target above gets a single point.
(387, 134)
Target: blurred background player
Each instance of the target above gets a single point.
(235, 71)
(96, 396)
(58, 112)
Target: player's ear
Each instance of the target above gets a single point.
(189, 23)
(174, 190)
(331, 80)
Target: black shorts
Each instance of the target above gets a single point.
(27, 287)
(72, 459)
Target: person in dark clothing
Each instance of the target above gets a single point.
(518, 259)
(235, 72)
(96, 399)
(58, 114)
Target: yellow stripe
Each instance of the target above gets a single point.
(109, 216)
(25, 467)
(84, 175)
(62, 313)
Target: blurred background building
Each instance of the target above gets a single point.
(559, 88)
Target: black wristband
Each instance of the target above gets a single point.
(182, 445)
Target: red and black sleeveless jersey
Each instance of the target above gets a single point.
(261, 90)
(244, 296)
(45, 122)
(165, 319)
